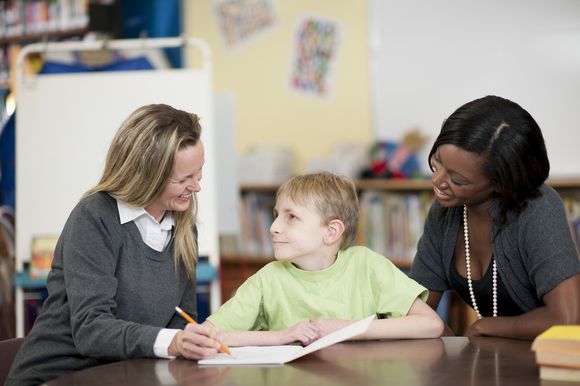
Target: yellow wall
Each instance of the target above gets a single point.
(267, 111)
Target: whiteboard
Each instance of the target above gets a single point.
(65, 123)
(429, 57)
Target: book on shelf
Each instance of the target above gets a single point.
(572, 205)
(256, 218)
(42, 252)
(558, 353)
(19, 17)
(392, 223)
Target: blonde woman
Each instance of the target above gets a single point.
(126, 257)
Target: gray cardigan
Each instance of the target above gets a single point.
(109, 296)
(534, 251)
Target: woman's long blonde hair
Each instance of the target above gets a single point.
(140, 163)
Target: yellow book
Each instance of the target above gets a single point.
(559, 374)
(563, 339)
(546, 358)
(558, 346)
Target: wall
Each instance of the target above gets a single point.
(430, 57)
(406, 64)
(257, 74)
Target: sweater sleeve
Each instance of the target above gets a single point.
(89, 262)
(188, 304)
(547, 241)
(429, 265)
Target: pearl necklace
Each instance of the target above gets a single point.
(468, 269)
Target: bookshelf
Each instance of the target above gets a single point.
(23, 22)
(252, 252)
(257, 202)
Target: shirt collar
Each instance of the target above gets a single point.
(129, 213)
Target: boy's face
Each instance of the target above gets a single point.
(297, 231)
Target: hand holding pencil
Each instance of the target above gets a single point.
(189, 319)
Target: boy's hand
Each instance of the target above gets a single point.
(196, 341)
(304, 332)
(326, 326)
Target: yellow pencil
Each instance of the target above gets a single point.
(184, 315)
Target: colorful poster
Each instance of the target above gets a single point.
(314, 56)
(241, 20)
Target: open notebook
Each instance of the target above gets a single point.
(277, 355)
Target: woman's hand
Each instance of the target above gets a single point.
(474, 330)
(196, 341)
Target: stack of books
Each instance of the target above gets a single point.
(558, 353)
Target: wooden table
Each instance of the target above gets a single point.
(429, 362)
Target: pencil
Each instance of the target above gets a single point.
(185, 316)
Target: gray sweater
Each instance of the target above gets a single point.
(534, 251)
(109, 296)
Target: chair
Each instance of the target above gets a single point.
(8, 350)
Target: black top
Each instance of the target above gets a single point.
(483, 291)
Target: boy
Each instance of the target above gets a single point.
(320, 282)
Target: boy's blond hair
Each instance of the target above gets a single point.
(334, 197)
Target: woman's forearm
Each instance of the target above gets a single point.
(562, 306)
(526, 326)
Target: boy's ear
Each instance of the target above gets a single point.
(334, 231)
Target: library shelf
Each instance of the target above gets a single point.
(237, 266)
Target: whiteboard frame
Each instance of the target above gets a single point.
(64, 126)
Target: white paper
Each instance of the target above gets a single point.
(277, 355)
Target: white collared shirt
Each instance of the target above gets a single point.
(157, 236)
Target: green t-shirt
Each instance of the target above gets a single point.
(359, 283)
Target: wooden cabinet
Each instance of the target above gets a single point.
(392, 219)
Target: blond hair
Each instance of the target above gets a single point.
(334, 197)
(140, 162)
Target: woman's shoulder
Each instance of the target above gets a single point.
(98, 204)
(549, 192)
(545, 210)
(548, 198)
(98, 198)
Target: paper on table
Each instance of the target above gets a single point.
(277, 355)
